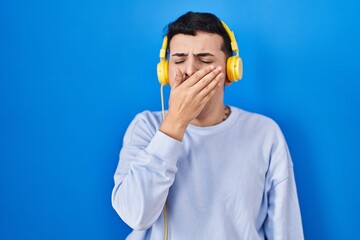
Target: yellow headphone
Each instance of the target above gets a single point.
(234, 66)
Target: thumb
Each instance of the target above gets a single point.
(178, 78)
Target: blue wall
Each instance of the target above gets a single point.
(74, 73)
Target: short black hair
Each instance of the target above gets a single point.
(192, 22)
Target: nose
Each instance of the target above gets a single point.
(190, 68)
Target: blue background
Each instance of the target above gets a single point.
(74, 73)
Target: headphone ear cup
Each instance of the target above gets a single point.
(234, 68)
(162, 72)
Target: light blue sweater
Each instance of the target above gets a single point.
(230, 181)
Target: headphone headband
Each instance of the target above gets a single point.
(234, 68)
(234, 46)
(162, 54)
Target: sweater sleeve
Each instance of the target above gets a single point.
(283, 220)
(145, 172)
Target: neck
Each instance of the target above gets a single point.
(212, 114)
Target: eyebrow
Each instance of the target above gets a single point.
(204, 54)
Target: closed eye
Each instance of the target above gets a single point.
(179, 61)
(206, 61)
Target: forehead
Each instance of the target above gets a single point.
(201, 42)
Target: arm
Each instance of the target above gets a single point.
(283, 217)
(283, 220)
(144, 175)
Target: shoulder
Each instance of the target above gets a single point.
(149, 117)
(259, 129)
(255, 121)
(144, 124)
(264, 133)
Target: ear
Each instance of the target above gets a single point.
(227, 82)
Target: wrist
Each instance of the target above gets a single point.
(173, 127)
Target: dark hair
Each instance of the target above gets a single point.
(192, 22)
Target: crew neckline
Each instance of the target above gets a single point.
(209, 130)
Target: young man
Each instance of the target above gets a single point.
(220, 172)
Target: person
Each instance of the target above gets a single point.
(207, 170)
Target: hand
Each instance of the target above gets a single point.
(188, 98)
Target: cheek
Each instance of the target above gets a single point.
(172, 73)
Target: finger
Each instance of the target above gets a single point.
(207, 79)
(211, 88)
(178, 78)
(197, 76)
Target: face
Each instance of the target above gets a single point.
(191, 53)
